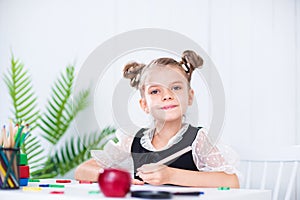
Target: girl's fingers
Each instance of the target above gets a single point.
(150, 168)
(137, 182)
(146, 176)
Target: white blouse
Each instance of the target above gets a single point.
(207, 157)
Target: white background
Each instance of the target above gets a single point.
(253, 43)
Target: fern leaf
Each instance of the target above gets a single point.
(53, 120)
(21, 92)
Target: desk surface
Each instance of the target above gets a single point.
(74, 191)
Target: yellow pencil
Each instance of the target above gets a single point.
(8, 180)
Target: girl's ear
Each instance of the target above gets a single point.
(191, 96)
(144, 106)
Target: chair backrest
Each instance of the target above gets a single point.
(274, 169)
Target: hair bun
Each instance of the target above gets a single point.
(194, 60)
(132, 71)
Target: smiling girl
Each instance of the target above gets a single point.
(164, 85)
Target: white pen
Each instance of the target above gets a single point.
(175, 155)
(156, 166)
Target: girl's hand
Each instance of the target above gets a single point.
(158, 176)
(137, 182)
(88, 171)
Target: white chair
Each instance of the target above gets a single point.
(272, 169)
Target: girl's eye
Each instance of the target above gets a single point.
(176, 87)
(154, 92)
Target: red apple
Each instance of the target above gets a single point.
(114, 182)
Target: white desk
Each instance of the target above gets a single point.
(75, 191)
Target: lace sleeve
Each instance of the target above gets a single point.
(115, 155)
(209, 157)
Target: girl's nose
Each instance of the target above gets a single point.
(167, 95)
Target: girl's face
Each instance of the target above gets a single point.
(166, 93)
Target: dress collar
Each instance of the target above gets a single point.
(148, 136)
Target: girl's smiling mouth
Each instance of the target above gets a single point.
(168, 107)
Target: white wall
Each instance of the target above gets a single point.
(254, 44)
(297, 68)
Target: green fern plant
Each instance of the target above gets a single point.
(53, 124)
(24, 107)
(72, 153)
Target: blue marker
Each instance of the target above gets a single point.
(44, 185)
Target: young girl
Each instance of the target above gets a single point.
(164, 85)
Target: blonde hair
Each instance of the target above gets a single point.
(136, 72)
